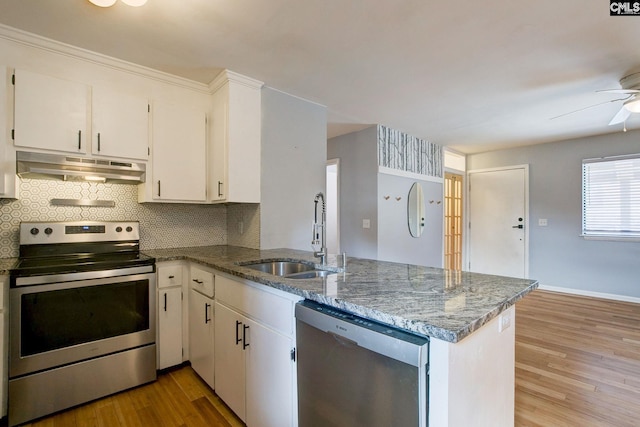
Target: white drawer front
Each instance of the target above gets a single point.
(265, 307)
(202, 281)
(169, 275)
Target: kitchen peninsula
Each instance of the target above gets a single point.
(468, 316)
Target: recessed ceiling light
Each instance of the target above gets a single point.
(108, 3)
(103, 3)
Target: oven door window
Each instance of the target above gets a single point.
(62, 318)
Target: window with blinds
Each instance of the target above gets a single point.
(611, 197)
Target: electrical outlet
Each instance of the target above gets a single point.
(542, 222)
(504, 321)
(366, 223)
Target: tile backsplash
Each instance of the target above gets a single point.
(162, 225)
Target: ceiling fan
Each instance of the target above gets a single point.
(630, 86)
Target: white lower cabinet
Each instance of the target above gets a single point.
(201, 323)
(170, 329)
(254, 349)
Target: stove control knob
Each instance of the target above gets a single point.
(129, 229)
(34, 231)
(118, 229)
(48, 231)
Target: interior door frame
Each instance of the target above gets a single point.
(467, 209)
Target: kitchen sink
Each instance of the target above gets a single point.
(289, 269)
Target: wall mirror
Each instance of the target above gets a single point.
(415, 210)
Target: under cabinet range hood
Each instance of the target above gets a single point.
(70, 168)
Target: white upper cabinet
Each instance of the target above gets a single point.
(50, 113)
(53, 114)
(235, 139)
(178, 155)
(120, 125)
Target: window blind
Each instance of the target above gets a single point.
(611, 197)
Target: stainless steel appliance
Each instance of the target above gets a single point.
(357, 372)
(82, 316)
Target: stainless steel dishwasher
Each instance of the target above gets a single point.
(357, 372)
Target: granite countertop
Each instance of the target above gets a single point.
(6, 264)
(443, 304)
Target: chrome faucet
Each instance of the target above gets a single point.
(319, 238)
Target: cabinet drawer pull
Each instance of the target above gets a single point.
(238, 339)
(245, 344)
(165, 301)
(172, 276)
(199, 282)
(207, 319)
(98, 142)
(79, 140)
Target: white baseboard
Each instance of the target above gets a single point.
(584, 293)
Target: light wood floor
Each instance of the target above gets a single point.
(577, 364)
(577, 361)
(178, 399)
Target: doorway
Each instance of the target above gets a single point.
(498, 221)
(453, 206)
(333, 206)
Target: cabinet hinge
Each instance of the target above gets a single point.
(293, 354)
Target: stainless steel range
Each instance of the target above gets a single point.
(82, 316)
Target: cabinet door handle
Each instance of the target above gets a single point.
(219, 188)
(79, 140)
(238, 339)
(165, 301)
(158, 188)
(207, 319)
(98, 142)
(245, 344)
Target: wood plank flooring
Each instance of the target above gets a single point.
(577, 361)
(179, 398)
(577, 364)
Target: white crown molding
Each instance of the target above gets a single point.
(228, 75)
(50, 45)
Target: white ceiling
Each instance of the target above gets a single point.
(472, 75)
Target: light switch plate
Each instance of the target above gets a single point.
(366, 223)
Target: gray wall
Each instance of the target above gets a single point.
(558, 256)
(395, 243)
(358, 154)
(294, 149)
(362, 196)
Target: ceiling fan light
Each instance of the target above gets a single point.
(633, 105)
(134, 3)
(103, 3)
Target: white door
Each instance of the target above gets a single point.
(230, 359)
(498, 221)
(269, 373)
(169, 327)
(50, 113)
(201, 347)
(179, 153)
(120, 125)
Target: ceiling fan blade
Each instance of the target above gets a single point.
(622, 115)
(591, 106)
(625, 91)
